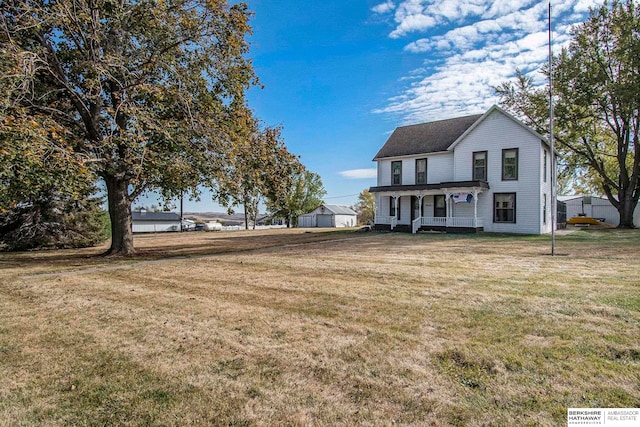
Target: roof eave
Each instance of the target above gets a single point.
(485, 115)
(405, 156)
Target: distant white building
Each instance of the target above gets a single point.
(595, 207)
(154, 222)
(329, 216)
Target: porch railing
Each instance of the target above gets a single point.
(426, 221)
(434, 221)
(464, 222)
(454, 222)
(386, 219)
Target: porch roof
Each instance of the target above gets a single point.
(439, 186)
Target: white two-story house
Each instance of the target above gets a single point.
(486, 172)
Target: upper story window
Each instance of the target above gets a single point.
(480, 166)
(421, 171)
(510, 164)
(396, 173)
(544, 169)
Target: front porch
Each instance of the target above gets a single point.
(450, 225)
(450, 208)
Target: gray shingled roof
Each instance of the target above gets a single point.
(154, 216)
(340, 210)
(425, 137)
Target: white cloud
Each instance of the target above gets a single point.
(360, 173)
(384, 7)
(471, 46)
(412, 23)
(583, 6)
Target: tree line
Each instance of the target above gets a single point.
(151, 96)
(141, 95)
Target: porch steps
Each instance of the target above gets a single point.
(400, 228)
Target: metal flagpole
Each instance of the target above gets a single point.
(553, 162)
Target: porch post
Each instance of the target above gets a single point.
(396, 200)
(394, 220)
(449, 206)
(416, 227)
(475, 208)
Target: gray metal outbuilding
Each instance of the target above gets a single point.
(327, 216)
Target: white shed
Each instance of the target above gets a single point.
(154, 222)
(329, 216)
(595, 207)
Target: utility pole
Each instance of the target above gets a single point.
(181, 209)
(551, 142)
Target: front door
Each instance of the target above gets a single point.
(415, 208)
(439, 206)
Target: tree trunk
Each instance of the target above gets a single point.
(254, 212)
(626, 208)
(120, 214)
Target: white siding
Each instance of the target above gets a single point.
(440, 168)
(545, 189)
(382, 205)
(154, 227)
(408, 171)
(345, 221)
(495, 133)
(384, 172)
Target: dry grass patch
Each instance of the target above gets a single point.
(291, 328)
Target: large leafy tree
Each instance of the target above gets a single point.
(142, 91)
(597, 96)
(303, 194)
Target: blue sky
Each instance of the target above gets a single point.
(340, 75)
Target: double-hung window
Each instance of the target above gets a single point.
(480, 166)
(504, 207)
(393, 207)
(421, 171)
(545, 166)
(396, 173)
(440, 206)
(510, 164)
